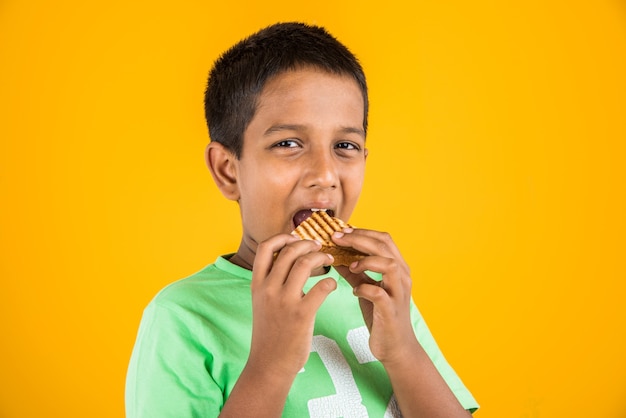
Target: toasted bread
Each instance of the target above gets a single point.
(320, 226)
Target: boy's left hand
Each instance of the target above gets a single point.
(385, 304)
(419, 388)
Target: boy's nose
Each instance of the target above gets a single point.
(322, 171)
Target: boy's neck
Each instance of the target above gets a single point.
(240, 261)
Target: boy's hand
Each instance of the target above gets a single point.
(385, 304)
(283, 316)
(419, 388)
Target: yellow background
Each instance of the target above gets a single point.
(497, 161)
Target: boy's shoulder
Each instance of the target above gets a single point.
(213, 282)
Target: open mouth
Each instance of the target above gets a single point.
(303, 215)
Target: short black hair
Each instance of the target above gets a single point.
(239, 74)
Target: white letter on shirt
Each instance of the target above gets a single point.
(347, 401)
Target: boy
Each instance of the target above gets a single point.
(272, 330)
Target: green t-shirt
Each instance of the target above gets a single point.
(194, 340)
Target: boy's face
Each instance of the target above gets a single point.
(303, 149)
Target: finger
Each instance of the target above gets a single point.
(396, 276)
(372, 292)
(372, 242)
(286, 259)
(301, 270)
(368, 241)
(354, 278)
(264, 258)
(318, 293)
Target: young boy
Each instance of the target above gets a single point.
(272, 330)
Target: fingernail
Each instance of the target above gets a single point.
(347, 230)
(337, 234)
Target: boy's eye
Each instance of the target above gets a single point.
(347, 146)
(287, 143)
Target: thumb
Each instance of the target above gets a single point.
(318, 293)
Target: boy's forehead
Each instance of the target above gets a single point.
(281, 82)
(311, 93)
(293, 88)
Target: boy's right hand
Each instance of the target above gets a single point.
(282, 324)
(283, 316)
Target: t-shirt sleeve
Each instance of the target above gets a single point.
(167, 375)
(427, 341)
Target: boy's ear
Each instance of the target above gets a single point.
(223, 166)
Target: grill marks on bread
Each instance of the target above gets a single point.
(319, 227)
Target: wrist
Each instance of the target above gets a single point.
(259, 392)
(404, 355)
(271, 372)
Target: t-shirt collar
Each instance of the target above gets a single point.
(225, 265)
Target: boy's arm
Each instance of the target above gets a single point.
(419, 388)
(282, 327)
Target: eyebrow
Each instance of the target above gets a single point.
(295, 127)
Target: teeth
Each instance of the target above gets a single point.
(317, 210)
